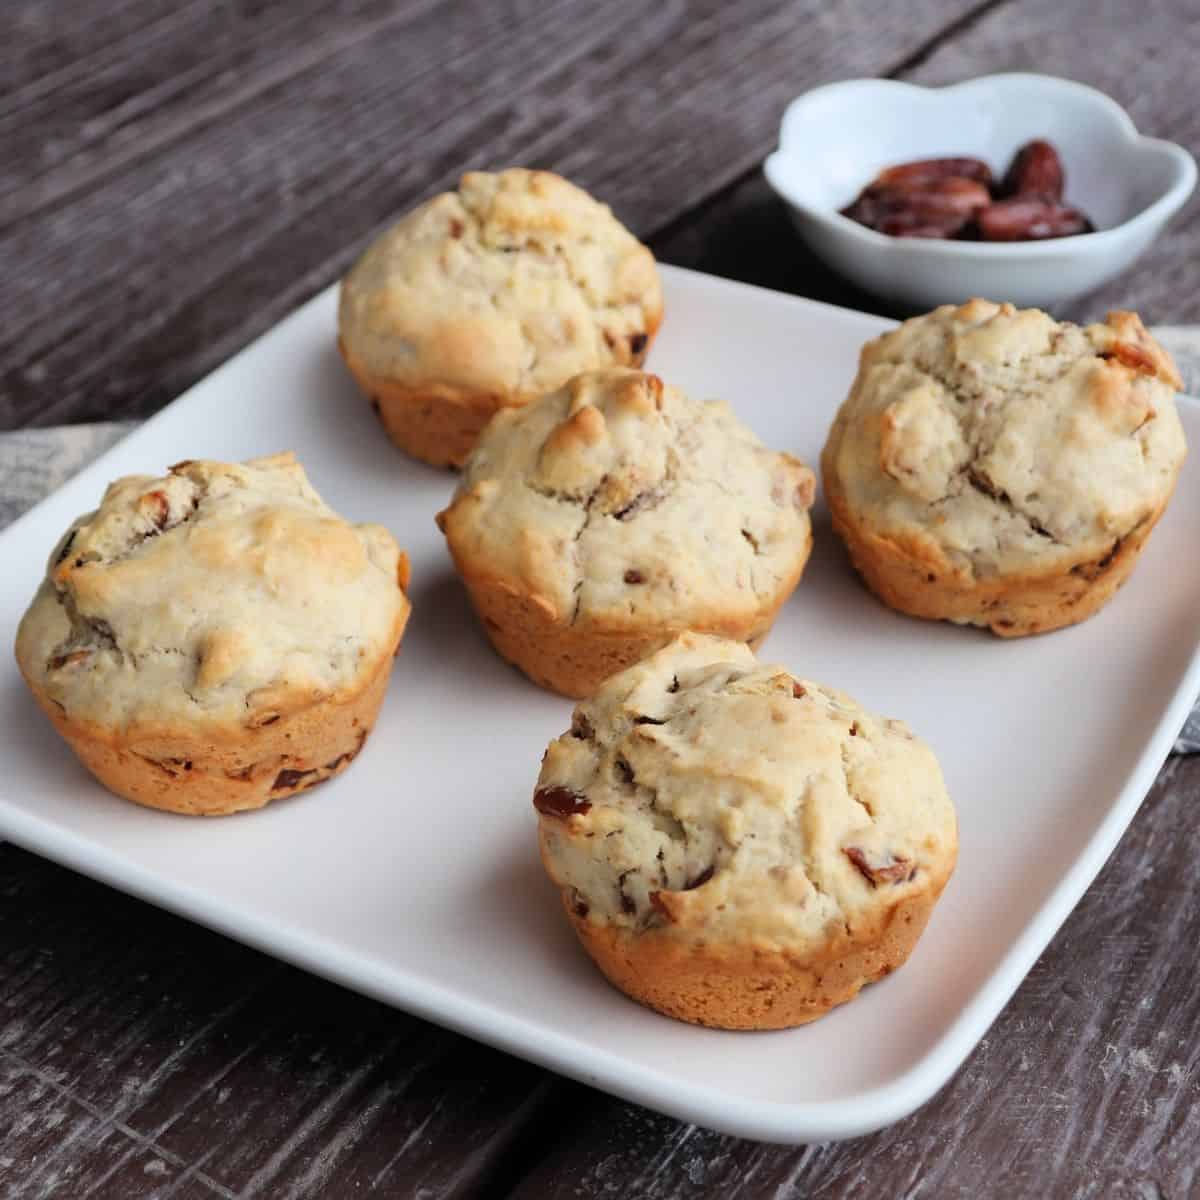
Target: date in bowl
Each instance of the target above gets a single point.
(836, 139)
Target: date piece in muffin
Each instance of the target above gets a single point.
(596, 524)
(738, 847)
(996, 467)
(217, 638)
(488, 296)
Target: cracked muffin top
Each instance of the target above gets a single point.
(509, 285)
(223, 593)
(1006, 440)
(619, 501)
(710, 797)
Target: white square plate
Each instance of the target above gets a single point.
(414, 877)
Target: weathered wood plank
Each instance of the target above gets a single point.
(54, 1145)
(34, 1119)
(1087, 1085)
(156, 248)
(121, 298)
(105, 1161)
(38, 39)
(66, 130)
(238, 1074)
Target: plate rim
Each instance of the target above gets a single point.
(785, 1122)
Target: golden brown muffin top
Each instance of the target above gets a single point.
(509, 285)
(219, 594)
(1002, 440)
(708, 797)
(618, 501)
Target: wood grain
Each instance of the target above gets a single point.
(119, 299)
(129, 1037)
(179, 174)
(40, 41)
(62, 144)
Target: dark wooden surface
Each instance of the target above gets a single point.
(175, 175)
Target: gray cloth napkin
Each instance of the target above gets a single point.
(33, 462)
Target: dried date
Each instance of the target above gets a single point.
(560, 802)
(926, 170)
(1027, 219)
(155, 508)
(1036, 170)
(896, 870)
(935, 208)
(957, 197)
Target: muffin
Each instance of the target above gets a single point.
(487, 297)
(217, 638)
(594, 525)
(737, 847)
(999, 468)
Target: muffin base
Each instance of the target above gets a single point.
(436, 423)
(736, 988)
(574, 660)
(214, 773)
(908, 578)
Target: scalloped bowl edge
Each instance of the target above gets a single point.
(990, 117)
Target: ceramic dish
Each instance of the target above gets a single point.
(834, 141)
(414, 877)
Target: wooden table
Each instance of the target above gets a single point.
(179, 174)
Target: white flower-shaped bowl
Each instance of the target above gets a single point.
(835, 139)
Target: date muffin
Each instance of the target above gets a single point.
(999, 468)
(594, 525)
(216, 638)
(737, 847)
(488, 296)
